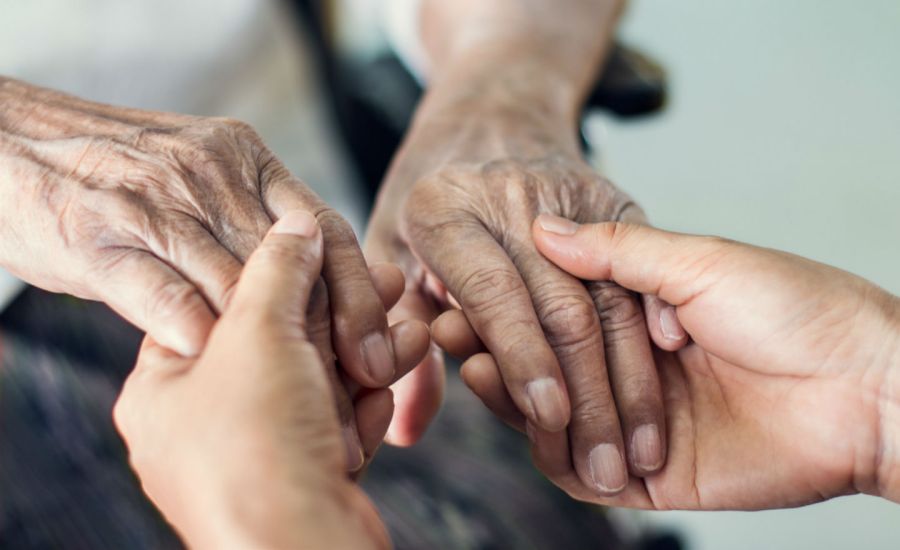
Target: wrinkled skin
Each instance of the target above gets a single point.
(155, 214)
(787, 395)
(464, 238)
(241, 447)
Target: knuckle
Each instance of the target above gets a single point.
(426, 198)
(569, 320)
(489, 290)
(596, 410)
(618, 309)
(171, 298)
(236, 128)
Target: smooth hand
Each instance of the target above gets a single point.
(788, 392)
(242, 447)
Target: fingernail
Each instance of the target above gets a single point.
(377, 355)
(607, 468)
(297, 222)
(646, 447)
(669, 324)
(558, 225)
(355, 455)
(548, 404)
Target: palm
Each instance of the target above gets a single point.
(727, 425)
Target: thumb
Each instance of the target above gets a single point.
(637, 257)
(278, 279)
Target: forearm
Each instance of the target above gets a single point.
(506, 80)
(476, 40)
(541, 56)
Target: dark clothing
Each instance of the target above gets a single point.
(65, 481)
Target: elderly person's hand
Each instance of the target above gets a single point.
(789, 392)
(242, 447)
(495, 143)
(155, 213)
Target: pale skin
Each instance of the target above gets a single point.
(795, 399)
(156, 213)
(494, 143)
(241, 447)
(787, 393)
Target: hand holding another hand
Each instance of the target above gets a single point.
(787, 394)
(242, 446)
(155, 214)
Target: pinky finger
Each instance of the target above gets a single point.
(481, 374)
(663, 325)
(157, 299)
(374, 410)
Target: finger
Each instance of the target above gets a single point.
(243, 228)
(373, 416)
(361, 335)
(156, 298)
(202, 259)
(417, 396)
(637, 257)
(319, 334)
(388, 281)
(550, 454)
(550, 450)
(154, 358)
(633, 375)
(663, 324)
(499, 308)
(412, 342)
(481, 375)
(572, 326)
(452, 331)
(278, 279)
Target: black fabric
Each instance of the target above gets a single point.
(65, 481)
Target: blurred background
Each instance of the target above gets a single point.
(781, 128)
(770, 122)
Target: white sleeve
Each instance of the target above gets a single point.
(401, 23)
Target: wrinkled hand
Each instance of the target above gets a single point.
(241, 448)
(456, 215)
(155, 213)
(788, 394)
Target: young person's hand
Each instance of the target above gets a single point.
(787, 393)
(242, 447)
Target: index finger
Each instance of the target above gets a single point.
(362, 336)
(499, 307)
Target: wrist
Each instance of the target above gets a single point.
(566, 40)
(256, 518)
